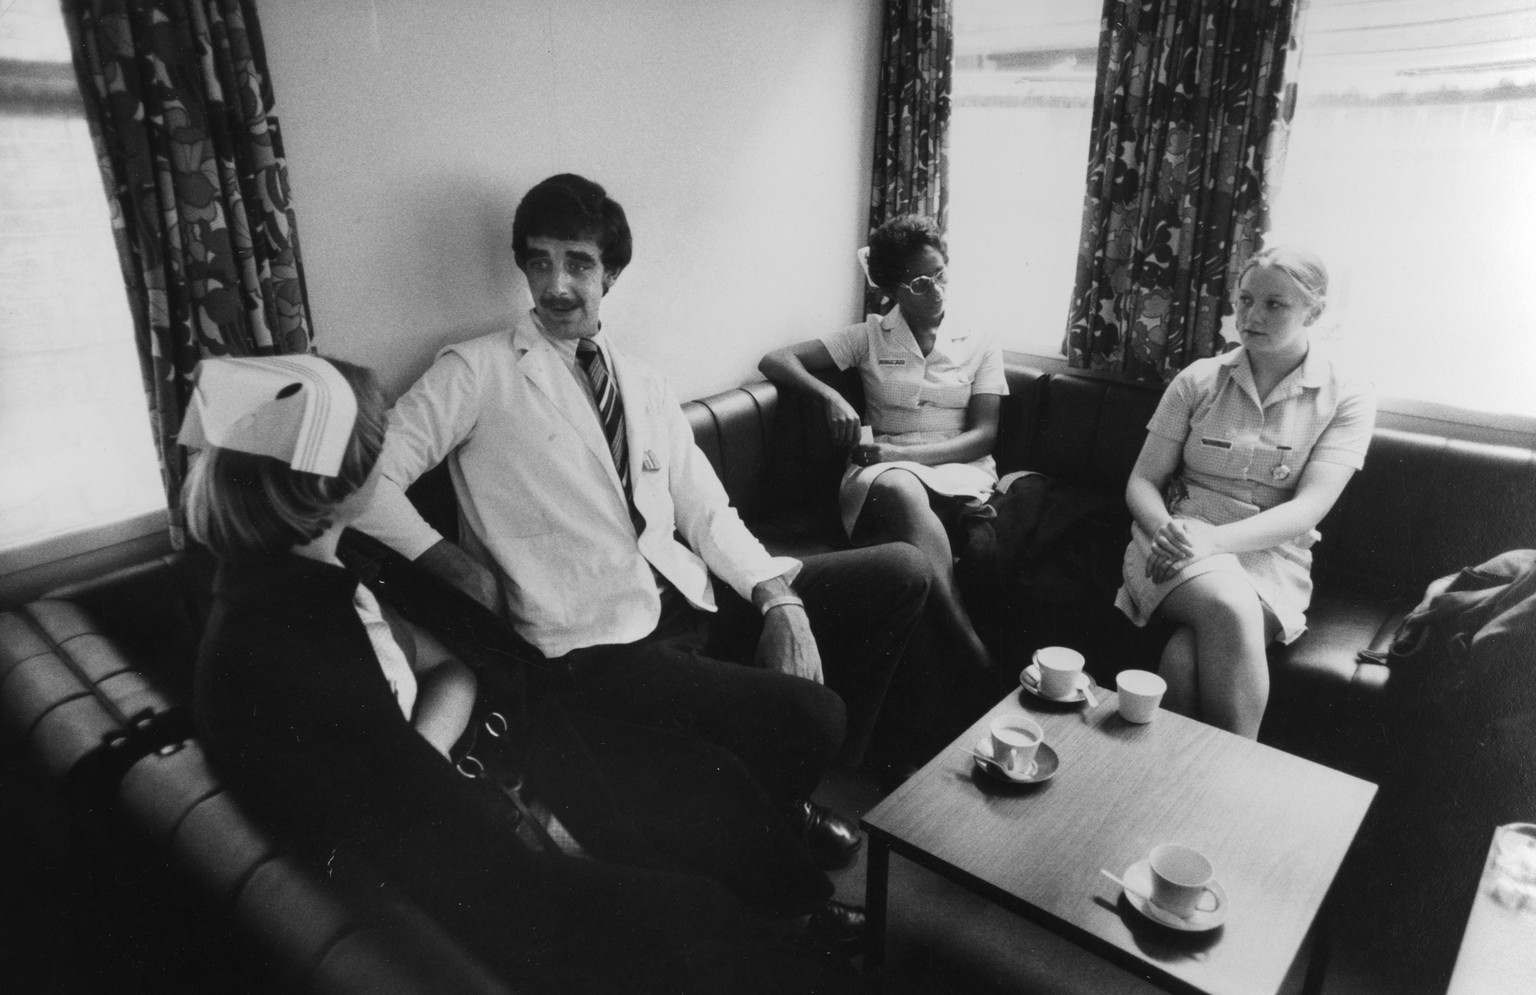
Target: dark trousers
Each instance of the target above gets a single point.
(691, 675)
(689, 806)
(551, 923)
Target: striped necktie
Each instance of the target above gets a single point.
(610, 411)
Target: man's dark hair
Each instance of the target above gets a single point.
(894, 244)
(572, 208)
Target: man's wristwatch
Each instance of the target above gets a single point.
(781, 600)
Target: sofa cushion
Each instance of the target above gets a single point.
(734, 429)
(1425, 506)
(1090, 430)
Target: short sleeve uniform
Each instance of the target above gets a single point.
(1242, 456)
(912, 398)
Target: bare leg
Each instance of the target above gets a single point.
(898, 504)
(1231, 672)
(1178, 669)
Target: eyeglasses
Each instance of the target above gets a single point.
(922, 286)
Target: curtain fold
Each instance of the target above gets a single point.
(180, 108)
(1190, 117)
(911, 170)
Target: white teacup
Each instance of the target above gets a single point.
(1140, 692)
(1059, 667)
(1181, 880)
(1015, 740)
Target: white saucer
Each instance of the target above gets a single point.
(1043, 768)
(1029, 679)
(1138, 888)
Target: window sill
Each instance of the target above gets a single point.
(1401, 413)
(30, 570)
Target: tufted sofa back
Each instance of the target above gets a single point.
(1424, 506)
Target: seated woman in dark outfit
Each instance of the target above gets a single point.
(316, 716)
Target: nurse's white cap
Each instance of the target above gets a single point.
(298, 409)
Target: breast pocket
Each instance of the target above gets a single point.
(947, 388)
(1274, 466)
(1214, 455)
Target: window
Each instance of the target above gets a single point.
(75, 444)
(1410, 167)
(1022, 110)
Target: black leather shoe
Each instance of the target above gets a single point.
(839, 927)
(831, 839)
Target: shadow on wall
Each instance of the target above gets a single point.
(458, 274)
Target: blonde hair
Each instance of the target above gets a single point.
(1302, 265)
(241, 505)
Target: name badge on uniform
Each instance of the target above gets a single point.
(1216, 443)
(892, 362)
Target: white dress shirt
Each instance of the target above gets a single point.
(540, 500)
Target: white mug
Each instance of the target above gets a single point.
(1059, 667)
(1015, 740)
(1139, 692)
(1181, 880)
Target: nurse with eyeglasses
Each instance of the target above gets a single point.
(933, 388)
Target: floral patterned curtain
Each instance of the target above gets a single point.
(1191, 112)
(180, 109)
(911, 172)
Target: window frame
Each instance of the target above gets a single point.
(33, 569)
(1399, 413)
(50, 88)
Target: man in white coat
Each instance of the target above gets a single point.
(593, 522)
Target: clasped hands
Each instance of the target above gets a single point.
(1180, 542)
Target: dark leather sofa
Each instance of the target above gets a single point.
(163, 881)
(1424, 506)
(94, 680)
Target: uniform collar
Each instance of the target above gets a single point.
(949, 330)
(1312, 374)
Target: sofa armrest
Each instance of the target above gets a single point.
(309, 934)
(72, 697)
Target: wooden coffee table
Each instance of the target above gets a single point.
(1276, 827)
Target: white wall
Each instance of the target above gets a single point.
(735, 133)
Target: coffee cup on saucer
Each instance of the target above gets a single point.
(1015, 740)
(1059, 667)
(1182, 880)
(1139, 692)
